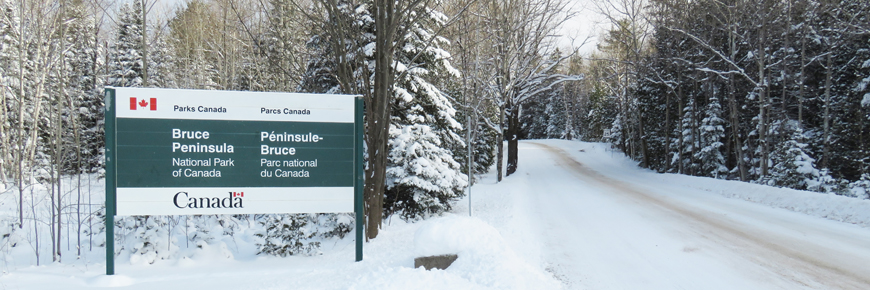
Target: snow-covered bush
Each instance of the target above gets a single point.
(335, 224)
(209, 229)
(8, 235)
(96, 230)
(861, 188)
(825, 183)
(288, 234)
(145, 239)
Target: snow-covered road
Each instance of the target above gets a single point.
(603, 225)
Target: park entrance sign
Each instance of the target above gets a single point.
(190, 152)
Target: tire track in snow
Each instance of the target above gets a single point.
(802, 262)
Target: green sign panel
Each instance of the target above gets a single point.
(207, 153)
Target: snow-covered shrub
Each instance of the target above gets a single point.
(861, 188)
(145, 238)
(422, 177)
(824, 183)
(288, 234)
(96, 230)
(335, 224)
(8, 235)
(208, 229)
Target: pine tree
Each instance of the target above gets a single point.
(126, 53)
(423, 116)
(535, 119)
(556, 110)
(160, 63)
(423, 178)
(422, 175)
(328, 62)
(792, 166)
(688, 139)
(710, 157)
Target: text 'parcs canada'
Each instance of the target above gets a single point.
(285, 111)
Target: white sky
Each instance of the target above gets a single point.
(585, 25)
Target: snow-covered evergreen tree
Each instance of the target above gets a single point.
(616, 136)
(689, 138)
(160, 63)
(557, 121)
(791, 166)
(712, 133)
(322, 69)
(84, 86)
(423, 177)
(125, 67)
(423, 116)
(534, 118)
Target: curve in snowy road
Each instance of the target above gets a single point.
(608, 232)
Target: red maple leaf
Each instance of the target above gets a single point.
(143, 103)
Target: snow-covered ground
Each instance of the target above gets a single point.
(575, 216)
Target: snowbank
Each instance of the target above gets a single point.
(616, 165)
(829, 206)
(484, 259)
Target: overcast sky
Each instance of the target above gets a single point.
(586, 23)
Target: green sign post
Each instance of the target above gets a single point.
(185, 152)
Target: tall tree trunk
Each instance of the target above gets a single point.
(732, 104)
(680, 167)
(668, 129)
(21, 102)
(5, 141)
(512, 137)
(803, 78)
(500, 138)
(378, 117)
(827, 126)
(762, 105)
(735, 132)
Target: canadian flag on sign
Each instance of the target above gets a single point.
(238, 194)
(135, 103)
